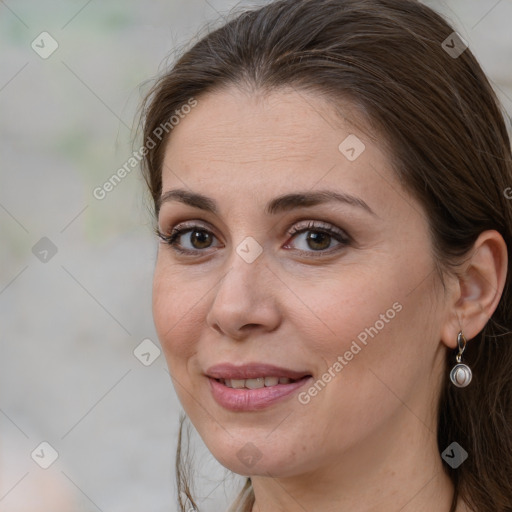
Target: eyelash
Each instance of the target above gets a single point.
(171, 238)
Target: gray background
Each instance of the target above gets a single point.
(69, 325)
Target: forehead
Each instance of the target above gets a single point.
(284, 118)
(265, 143)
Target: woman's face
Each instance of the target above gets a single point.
(295, 352)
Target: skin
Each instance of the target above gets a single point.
(367, 441)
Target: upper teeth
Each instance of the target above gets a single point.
(255, 383)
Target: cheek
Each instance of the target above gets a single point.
(175, 310)
(388, 357)
(334, 309)
(376, 321)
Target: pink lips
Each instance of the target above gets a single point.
(252, 399)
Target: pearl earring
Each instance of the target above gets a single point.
(461, 374)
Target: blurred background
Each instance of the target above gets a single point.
(88, 415)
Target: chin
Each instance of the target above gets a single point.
(255, 458)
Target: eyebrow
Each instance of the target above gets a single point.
(279, 204)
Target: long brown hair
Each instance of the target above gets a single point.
(440, 119)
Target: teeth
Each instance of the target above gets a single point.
(257, 383)
(271, 381)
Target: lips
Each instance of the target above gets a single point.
(254, 386)
(228, 371)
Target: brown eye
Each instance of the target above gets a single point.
(318, 240)
(199, 239)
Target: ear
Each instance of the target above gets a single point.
(477, 289)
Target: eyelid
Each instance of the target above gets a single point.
(317, 225)
(298, 227)
(180, 229)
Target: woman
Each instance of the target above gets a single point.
(332, 288)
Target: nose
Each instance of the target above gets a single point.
(246, 300)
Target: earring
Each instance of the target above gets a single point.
(461, 374)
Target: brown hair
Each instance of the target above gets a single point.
(449, 147)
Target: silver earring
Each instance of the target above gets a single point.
(461, 374)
